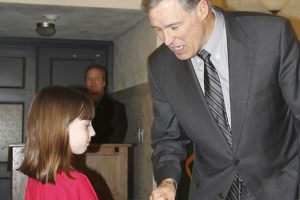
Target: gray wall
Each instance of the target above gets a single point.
(131, 88)
(130, 55)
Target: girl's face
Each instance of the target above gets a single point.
(80, 133)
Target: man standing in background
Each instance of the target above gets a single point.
(110, 121)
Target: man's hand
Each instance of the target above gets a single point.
(165, 191)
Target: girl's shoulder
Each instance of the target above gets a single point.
(78, 187)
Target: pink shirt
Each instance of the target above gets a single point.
(78, 188)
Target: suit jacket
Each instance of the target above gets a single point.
(110, 121)
(264, 75)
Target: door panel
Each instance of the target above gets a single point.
(65, 66)
(17, 87)
(60, 68)
(11, 72)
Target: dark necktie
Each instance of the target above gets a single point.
(215, 101)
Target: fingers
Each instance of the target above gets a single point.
(152, 197)
(165, 191)
(157, 195)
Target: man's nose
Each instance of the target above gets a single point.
(168, 38)
(93, 81)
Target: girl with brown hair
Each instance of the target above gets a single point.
(59, 124)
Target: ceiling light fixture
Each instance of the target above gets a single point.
(47, 28)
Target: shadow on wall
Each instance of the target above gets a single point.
(221, 3)
(296, 25)
(97, 180)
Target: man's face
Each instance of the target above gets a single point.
(182, 31)
(94, 82)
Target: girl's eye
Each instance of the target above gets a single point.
(89, 124)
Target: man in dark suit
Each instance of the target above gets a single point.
(230, 83)
(110, 121)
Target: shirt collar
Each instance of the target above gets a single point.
(214, 40)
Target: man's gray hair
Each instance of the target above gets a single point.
(188, 5)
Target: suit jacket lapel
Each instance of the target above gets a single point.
(187, 77)
(240, 59)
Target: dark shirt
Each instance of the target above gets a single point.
(110, 121)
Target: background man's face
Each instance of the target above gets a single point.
(94, 82)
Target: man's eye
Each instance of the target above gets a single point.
(174, 27)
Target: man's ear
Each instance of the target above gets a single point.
(202, 9)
